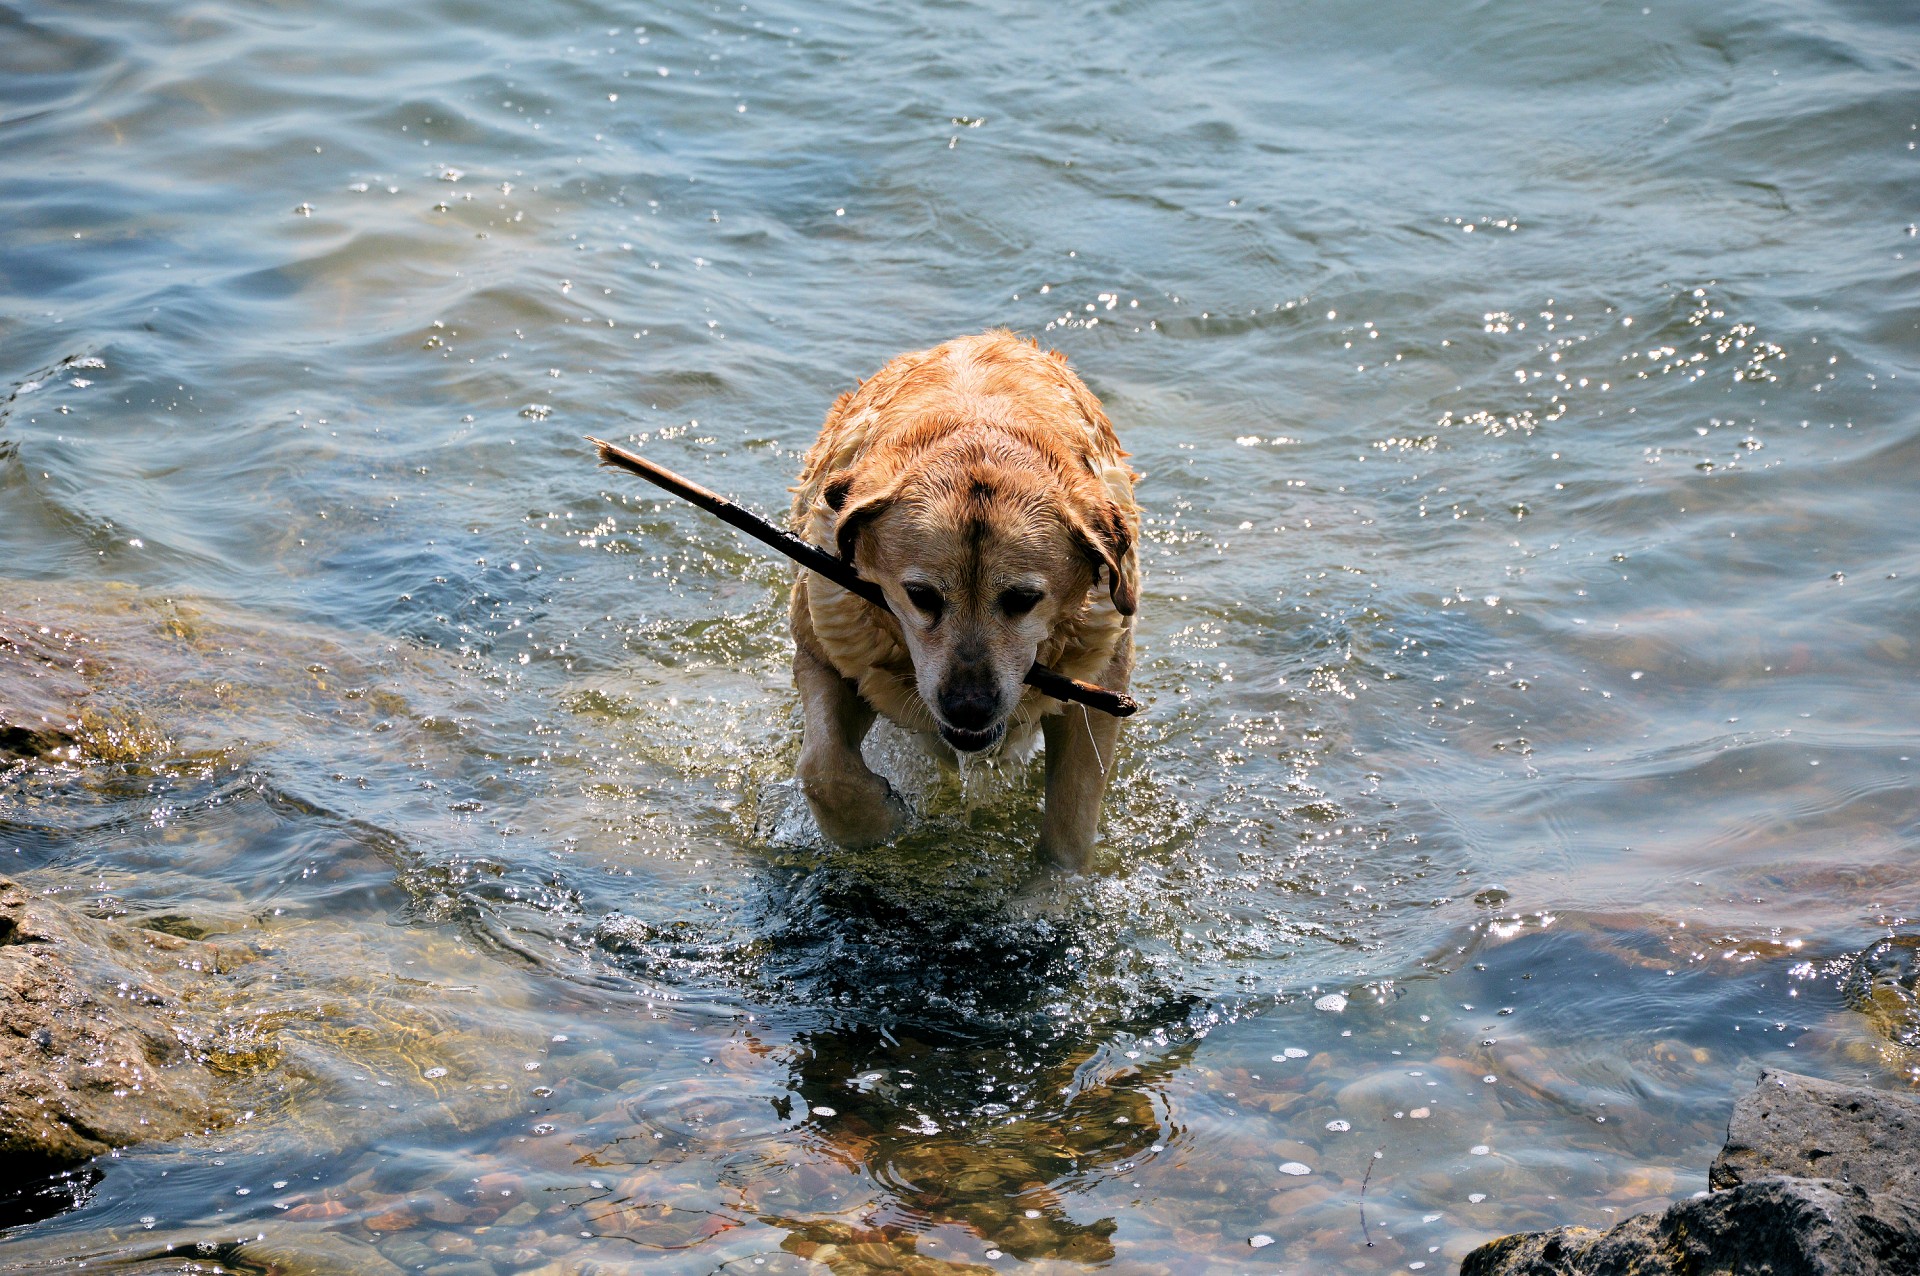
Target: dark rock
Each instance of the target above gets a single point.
(1857, 1215)
(1772, 1227)
(1807, 1128)
(1882, 983)
(91, 1055)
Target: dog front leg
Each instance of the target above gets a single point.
(852, 805)
(1080, 749)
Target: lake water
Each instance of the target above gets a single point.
(1529, 639)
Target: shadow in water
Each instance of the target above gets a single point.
(969, 1062)
(1017, 1133)
(29, 1192)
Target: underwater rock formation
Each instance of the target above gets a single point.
(90, 1055)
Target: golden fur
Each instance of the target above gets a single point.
(988, 438)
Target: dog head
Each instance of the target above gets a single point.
(984, 549)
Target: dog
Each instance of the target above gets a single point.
(981, 487)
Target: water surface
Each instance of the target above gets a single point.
(1528, 638)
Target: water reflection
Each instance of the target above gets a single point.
(894, 1144)
(962, 1133)
(941, 1071)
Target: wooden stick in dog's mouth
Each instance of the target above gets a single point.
(814, 559)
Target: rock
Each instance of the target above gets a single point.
(1771, 1227)
(41, 679)
(90, 1058)
(53, 707)
(1766, 1216)
(314, 1252)
(1799, 1126)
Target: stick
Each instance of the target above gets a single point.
(1364, 1180)
(815, 559)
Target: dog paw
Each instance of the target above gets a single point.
(855, 810)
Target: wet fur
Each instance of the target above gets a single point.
(989, 459)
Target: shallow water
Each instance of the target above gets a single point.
(1528, 639)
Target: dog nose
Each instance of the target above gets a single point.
(970, 702)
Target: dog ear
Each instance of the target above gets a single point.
(1106, 540)
(835, 492)
(846, 532)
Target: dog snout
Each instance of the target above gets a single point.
(970, 700)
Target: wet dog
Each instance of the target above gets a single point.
(982, 488)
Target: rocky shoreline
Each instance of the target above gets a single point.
(1816, 1178)
(93, 1052)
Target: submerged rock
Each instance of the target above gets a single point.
(90, 1058)
(1816, 1179)
(41, 681)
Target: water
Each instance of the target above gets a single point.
(1528, 641)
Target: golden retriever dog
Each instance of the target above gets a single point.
(982, 488)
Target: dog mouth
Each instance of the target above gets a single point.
(972, 741)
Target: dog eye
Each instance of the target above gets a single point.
(927, 599)
(1018, 602)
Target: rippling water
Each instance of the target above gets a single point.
(1529, 635)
